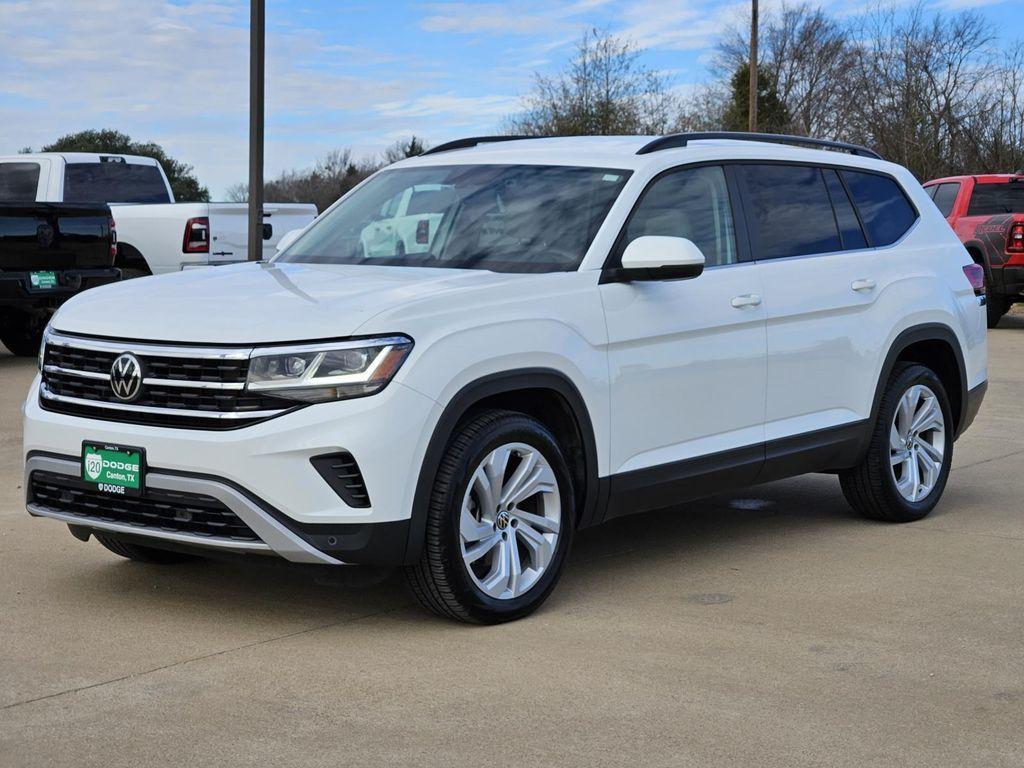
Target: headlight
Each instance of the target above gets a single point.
(318, 373)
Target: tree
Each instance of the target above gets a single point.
(772, 115)
(332, 176)
(404, 148)
(604, 91)
(184, 184)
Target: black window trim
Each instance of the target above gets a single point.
(612, 265)
(838, 168)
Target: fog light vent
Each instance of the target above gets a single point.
(341, 472)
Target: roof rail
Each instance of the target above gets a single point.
(674, 140)
(474, 140)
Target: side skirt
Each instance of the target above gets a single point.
(667, 485)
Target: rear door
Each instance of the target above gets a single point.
(821, 237)
(686, 357)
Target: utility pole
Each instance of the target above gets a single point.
(257, 37)
(752, 113)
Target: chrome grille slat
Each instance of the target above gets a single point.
(189, 387)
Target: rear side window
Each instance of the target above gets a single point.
(691, 203)
(884, 209)
(944, 196)
(849, 225)
(790, 211)
(18, 182)
(993, 199)
(114, 183)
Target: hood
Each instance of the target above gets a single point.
(257, 302)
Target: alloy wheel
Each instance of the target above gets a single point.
(917, 443)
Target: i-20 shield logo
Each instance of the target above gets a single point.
(93, 465)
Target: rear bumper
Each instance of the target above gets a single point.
(16, 289)
(1008, 280)
(971, 407)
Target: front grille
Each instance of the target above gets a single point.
(199, 388)
(155, 509)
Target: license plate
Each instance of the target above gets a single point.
(113, 469)
(43, 280)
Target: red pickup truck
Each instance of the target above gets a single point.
(987, 213)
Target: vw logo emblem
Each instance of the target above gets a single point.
(126, 376)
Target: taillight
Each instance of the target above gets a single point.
(423, 232)
(976, 277)
(113, 237)
(197, 236)
(1015, 242)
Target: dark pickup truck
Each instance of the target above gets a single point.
(48, 253)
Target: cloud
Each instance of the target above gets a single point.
(523, 18)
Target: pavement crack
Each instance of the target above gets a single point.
(201, 657)
(986, 461)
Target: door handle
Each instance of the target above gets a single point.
(863, 285)
(746, 300)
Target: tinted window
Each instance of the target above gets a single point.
(884, 209)
(849, 226)
(790, 211)
(944, 197)
(508, 218)
(692, 203)
(992, 199)
(113, 183)
(931, 191)
(18, 182)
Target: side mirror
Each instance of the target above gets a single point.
(288, 238)
(655, 257)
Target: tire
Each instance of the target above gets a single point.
(22, 333)
(871, 487)
(476, 592)
(140, 553)
(996, 307)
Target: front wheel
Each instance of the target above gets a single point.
(499, 523)
(907, 463)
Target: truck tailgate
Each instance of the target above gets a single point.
(229, 223)
(54, 236)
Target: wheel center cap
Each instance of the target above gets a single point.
(501, 522)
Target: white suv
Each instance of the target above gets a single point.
(597, 326)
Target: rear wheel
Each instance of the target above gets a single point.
(140, 553)
(22, 333)
(499, 523)
(907, 464)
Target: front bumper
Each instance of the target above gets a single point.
(264, 474)
(16, 288)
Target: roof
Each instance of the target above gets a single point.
(83, 157)
(981, 178)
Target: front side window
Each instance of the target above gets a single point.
(691, 203)
(791, 214)
(884, 209)
(503, 218)
(18, 182)
(114, 182)
(993, 199)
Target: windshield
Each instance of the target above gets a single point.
(993, 199)
(504, 218)
(114, 182)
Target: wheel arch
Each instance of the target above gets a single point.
(130, 258)
(936, 346)
(546, 394)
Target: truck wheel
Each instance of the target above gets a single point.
(996, 307)
(22, 333)
(499, 521)
(140, 553)
(907, 463)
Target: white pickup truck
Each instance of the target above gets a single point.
(154, 234)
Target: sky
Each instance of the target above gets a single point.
(339, 74)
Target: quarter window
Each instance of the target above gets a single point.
(691, 203)
(790, 211)
(884, 209)
(18, 182)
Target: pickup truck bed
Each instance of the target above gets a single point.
(48, 253)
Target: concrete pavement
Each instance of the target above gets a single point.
(770, 627)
